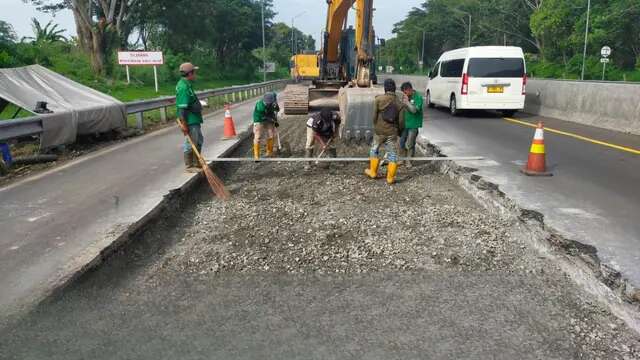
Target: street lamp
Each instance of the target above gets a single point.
(469, 15)
(293, 36)
(586, 36)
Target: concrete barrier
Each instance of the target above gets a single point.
(605, 104)
(609, 105)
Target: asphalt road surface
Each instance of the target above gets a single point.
(594, 195)
(55, 222)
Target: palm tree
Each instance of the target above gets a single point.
(47, 34)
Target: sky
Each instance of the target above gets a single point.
(312, 20)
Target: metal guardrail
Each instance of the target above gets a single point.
(11, 129)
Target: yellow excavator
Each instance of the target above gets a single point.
(347, 70)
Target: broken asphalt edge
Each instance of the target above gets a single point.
(577, 260)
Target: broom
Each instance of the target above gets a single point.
(214, 182)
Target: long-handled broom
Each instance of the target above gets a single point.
(214, 182)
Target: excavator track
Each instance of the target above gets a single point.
(296, 99)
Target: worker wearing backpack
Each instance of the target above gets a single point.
(322, 128)
(388, 124)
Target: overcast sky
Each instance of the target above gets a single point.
(388, 12)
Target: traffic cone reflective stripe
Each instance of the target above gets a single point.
(229, 126)
(536, 164)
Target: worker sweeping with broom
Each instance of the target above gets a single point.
(189, 115)
(190, 122)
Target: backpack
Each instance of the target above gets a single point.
(391, 113)
(322, 127)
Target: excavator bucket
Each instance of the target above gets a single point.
(356, 110)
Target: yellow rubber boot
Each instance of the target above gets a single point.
(392, 169)
(256, 151)
(270, 147)
(372, 171)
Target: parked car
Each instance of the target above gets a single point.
(483, 77)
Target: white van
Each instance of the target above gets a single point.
(483, 77)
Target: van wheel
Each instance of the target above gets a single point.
(508, 113)
(429, 103)
(453, 106)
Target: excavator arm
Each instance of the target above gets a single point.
(337, 11)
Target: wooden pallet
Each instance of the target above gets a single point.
(296, 100)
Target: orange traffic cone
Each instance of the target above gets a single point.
(229, 127)
(536, 165)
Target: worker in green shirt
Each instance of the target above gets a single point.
(413, 115)
(265, 121)
(189, 112)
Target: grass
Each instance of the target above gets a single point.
(126, 93)
(133, 92)
(9, 112)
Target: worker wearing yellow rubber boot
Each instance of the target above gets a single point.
(265, 120)
(388, 124)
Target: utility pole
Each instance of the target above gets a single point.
(586, 37)
(469, 44)
(264, 49)
(422, 56)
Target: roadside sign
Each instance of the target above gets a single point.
(390, 69)
(270, 67)
(605, 51)
(133, 58)
(141, 58)
(604, 60)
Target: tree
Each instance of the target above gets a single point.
(100, 24)
(47, 34)
(7, 35)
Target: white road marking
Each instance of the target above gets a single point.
(36, 218)
(14, 248)
(481, 163)
(579, 213)
(519, 162)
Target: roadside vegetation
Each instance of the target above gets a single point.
(224, 57)
(552, 33)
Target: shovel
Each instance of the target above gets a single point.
(324, 149)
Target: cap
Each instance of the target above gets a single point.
(188, 67)
(269, 98)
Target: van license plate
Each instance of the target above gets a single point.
(495, 89)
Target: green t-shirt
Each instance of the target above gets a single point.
(414, 121)
(261, 112)
(185, 96)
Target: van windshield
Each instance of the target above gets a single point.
(496, 67)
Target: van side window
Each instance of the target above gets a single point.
(434, 72)
(452, 68)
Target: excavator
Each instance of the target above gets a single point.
(347, 71)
